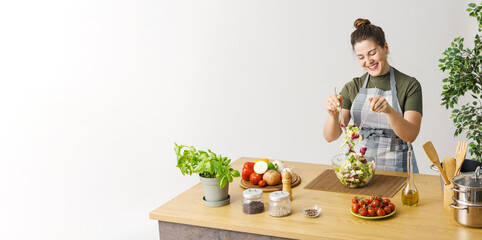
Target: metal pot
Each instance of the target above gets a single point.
(468, 188)
(469, 215)
(468, 199)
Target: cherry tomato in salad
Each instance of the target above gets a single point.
(381, 212)
(363, 211)
(392, 206)
(355, 208)
(354, 200)
(386, 201)
(387, 209)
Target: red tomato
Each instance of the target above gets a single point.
(362, 203)
(248, 165)
(246, 173)
(354, 200)
(387, 209)
(369, 201)
(386, 201)
(254, 178)
(371, 211)
(262, 183)
(355, 208)
(379, 199)
(381, 212)
(392, 206)
(375, 204)
(363, 211)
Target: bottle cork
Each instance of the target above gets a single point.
(287, 183)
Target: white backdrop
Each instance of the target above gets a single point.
(94, 94)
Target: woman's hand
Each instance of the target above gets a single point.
(332, 129)
(332, 104)
(379, 104)
(406, 127)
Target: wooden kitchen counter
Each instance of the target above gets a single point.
(429, 220)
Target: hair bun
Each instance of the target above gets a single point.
(361, 22)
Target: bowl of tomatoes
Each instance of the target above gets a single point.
(372, 207)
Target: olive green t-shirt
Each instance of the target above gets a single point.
(409, 91)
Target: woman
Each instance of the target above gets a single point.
(388, 100)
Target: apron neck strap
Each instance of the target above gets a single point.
(393, 86)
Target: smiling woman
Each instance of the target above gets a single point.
(388, 101)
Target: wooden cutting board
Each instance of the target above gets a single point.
(295, 181)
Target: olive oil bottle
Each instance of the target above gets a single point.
(410, 192)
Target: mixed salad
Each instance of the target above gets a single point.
(355, 171)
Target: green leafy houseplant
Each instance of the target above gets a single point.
(465, 78)
(206, 164)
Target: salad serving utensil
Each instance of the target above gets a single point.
(460, 153)
(340, 114)
(433, 156)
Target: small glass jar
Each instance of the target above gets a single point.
(253, 201)
(279, 204)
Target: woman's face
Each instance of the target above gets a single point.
(372, 57)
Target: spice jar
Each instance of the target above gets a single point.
(279, 204)
(253, 201)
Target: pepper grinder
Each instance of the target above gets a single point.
(287, 183)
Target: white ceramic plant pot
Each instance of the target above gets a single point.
(214, 196)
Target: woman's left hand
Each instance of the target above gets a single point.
(379, 104)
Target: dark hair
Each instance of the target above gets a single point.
(365, 30)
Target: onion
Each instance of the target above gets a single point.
(271, 177)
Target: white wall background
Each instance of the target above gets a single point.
(94, 94)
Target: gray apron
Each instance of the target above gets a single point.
(383, 145)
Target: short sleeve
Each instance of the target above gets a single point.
(414, 97)
(346, 97)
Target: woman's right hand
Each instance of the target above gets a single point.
(332, 104)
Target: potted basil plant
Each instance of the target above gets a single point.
(464, 66)
(214, 171)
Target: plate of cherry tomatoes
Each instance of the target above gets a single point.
(372, 207)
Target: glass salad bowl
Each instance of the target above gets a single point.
(353, 171)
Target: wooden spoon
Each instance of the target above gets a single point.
(449, 167)
(433, 156)
(460, 153)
